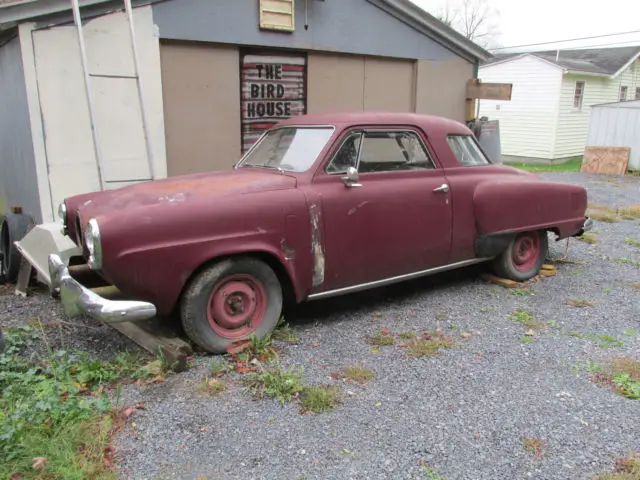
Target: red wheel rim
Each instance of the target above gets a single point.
(526, 251)
(236, 306)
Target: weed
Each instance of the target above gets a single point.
(606, 216)
(526, 339)
(57, 410)
(429, 472)
(552, 323)
(622, 375)
(526, 319)
(629, 213)
(605, 341)
(320, 398)
(534, 446)
(626, 365)
(213, 386)
(607, 289)
(626, 261)
(357, 374)
(635, 285)
(284, 333)
(430, 344)
(282, 385)
(629, 332)
(218, 368)
(381, 338)
(410, 335)
(520, 292)
(587, 238)
(627, 468)
(632, 242)
(581, 303)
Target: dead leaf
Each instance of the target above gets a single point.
(466, 335)
(314, 345)
(530, 333)
(39, 463)
(238, 347)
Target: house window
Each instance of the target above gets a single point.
(637, 93)
(578, 95)
(623, 93)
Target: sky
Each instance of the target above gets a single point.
(524, 21)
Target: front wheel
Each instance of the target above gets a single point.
(524, 256)
(230, 301)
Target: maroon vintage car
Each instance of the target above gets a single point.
(322, 205)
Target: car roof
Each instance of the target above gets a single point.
(429, 123)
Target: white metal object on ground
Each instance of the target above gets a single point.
(43, 240)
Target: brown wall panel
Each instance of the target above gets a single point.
(335, 83)
(441, 87)
(201, 91)
(389, 85)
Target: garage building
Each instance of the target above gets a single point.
(214, 75)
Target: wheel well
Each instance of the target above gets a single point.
(288, 292)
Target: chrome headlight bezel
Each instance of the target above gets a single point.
(94, 245)
(62, 213)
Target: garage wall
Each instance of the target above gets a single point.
(441, 87)
(350, 82)
(202, 108)
(18, 184)
(348, 26)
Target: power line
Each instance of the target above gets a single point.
(567, 40)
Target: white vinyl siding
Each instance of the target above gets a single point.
(573, 123)
(528, 120)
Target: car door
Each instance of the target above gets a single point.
(395, 220)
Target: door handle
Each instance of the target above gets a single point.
(442, 188)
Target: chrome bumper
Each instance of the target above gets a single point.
(77, 300)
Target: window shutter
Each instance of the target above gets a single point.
(277, 15)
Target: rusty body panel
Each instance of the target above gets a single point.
(322, 235)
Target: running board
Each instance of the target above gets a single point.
(398, 279)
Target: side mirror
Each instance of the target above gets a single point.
(352, 178)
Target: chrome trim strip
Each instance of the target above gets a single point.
(397, 279)
(78, 300)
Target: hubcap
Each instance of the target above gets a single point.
(236, 306)
(526, 251)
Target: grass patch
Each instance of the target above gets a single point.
(629, 332)
(581, 303)
(284, 333)
(213, 386)
(218, 368)
(632, 242)
(605, 216)
(407, 335)
(604, 341)
(622, 375)
(428, 345)
(381, 338)
(629, 213)
(626, 261)
(55, 410)
(572, 165)
(587, 238)
(609, 215)
(635, 285)
(357, 374)
(527, 320)
(519, 292)
(526, 339)
(276, 383)
(320, 398)
(533, 445)
(627, 468)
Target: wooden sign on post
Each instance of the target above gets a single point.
(477, 90)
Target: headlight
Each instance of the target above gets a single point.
(93, 244)
(62, 213)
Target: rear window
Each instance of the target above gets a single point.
(466, 150)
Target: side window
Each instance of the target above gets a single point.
(347, 156)
(392, 151)
(466, 151)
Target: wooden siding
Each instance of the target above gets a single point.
(528, 120)
(573, 124)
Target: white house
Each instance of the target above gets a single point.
(548, 115)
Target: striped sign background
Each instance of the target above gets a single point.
(266, 99)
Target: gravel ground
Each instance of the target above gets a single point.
(464, 413)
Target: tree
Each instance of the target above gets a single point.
(474, 19)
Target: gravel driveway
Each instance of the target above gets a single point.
(460, 415)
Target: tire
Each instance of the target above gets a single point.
(14, 228)
(230, 301)
(524, 256)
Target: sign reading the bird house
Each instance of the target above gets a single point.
(273, 88)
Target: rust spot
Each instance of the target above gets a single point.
(316, 246)
(287, 250)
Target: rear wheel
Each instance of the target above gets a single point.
(229, 301)
(524, 256)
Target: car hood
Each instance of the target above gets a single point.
(180, 189)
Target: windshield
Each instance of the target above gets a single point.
(293, 149)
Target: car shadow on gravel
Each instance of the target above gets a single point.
(354, 303)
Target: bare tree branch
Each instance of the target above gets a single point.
(474, 19)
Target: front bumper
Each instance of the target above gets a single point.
(77, 300)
